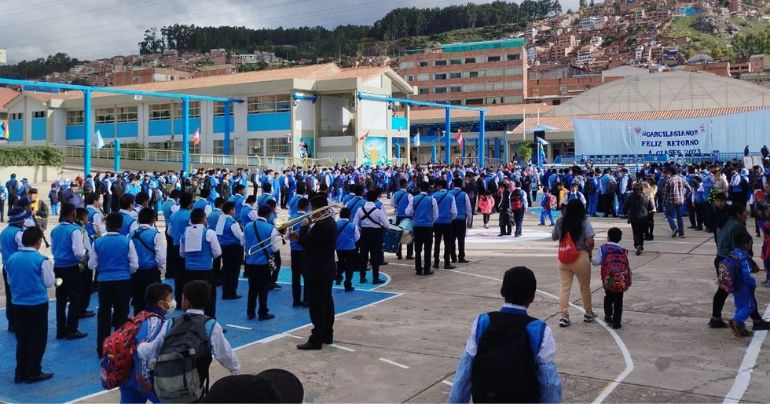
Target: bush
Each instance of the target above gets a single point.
(31, 156)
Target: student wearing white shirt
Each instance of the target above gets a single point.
(150, 246)
(199, 246)
(372, 222)
(230, 236)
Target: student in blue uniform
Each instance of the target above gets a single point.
(463, 204)
(211, 223)
(203, 201)
(114, 259)
(238, 197)
(295, 198)
(10, 242)
(400, 201)
(170, 206)
(297, 257)
(258, 234)
(177, 225)
(30, 274)
(442, 226)
(198, 246)
(424, 210)
(266, 194)
(230, 236)
(128, 213)
(95, 221)
(248, 211)
(150, 246)
(347, 237)
(371, 222)
(86, 275)
(67, 246)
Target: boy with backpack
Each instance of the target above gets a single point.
(735, 277)
(183, 350)
(615, 274)
(509, 356)
(548, 204)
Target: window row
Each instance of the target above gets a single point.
(511, 71)
(16, 115)
(467, 60)
(467, 88)
(269, 103)
(482, 101)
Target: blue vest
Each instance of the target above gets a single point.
(264, 230)
(112, 253)
(127, 222)
(354, 204)
(170, 203)
(237, 199)
(201, 204)
(263, 199)
(201, 260)
(8, 242)
(346, 235)
(423, 211)
(459, 196)
(61, 245)
(293, 204)
(144, 244)
(26, 279)
(227, 237)
(244, 216)
(90, 229)
(402, 202)
(295, 245)
(213, 218)
(444, 201)
(179, 221)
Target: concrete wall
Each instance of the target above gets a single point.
(35, 174)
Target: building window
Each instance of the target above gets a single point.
(74, 117)
(407, 65)
(105, 115)
(455, 75)
(219, 146)
(513, 71)
(17, 116)
(38, 114)
(493, 73)
(410, 78)
(194, 107)
(473, 74)
(128, 114)
(423, 77)
(456, 61)
(423, 63)
(493, 59)
(455, 89)
(169, 145)
(160, 111)
(255, 147)
(470, 60)
(455, 102)
(440, 63)
(474, 101)
(439, 76)
(219, 108)
(424, 91)
(278, 146)
(513, 85)
(494, 100)
(514, 56)
(513, 100)
(269, 103)
(440, 90)
(469, 88)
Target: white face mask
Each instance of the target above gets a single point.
(172, 306)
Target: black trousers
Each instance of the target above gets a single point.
(106, 199)
(297, 260)
(701, 210)
(274, 274)
(321, 310)
(140, 280)
(346, 262)
(691, 214)
(650, 225)
(284, 197)
(442, 231)
(458, 233)
(232, 259)
(607, 204)
(67, 292)
(217, 268)
(639, 229)
(409, 247)
(613, 306)
(9, 307)
(259, 283)
(518, 220)
(114, 298)
(2, 209)
(171, 257)
(505, 222)
(423, 242)
(31, 339)
(207, 276)
(370, 250)
(12, 198)
(86, 288)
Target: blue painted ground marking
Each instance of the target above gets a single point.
(76, 366)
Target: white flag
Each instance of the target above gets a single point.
(417, 140)
(99, 140)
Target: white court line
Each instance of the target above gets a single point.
(394, 363)
(240, 327)
(607, 390)
(90, 396)
(742, 379)
(342, 348)
(447, 382)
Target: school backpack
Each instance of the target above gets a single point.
(516, 202)
(568, 252)
(729, 273)
(616, 273)
(588, 187)
(612, 186)
(118, 352)
(183, 363)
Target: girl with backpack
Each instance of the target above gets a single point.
(485, 203)
(547, 204)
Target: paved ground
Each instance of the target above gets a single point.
(406, 348)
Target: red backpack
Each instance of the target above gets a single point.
(516, 202)
(615, 272)
(568, 252)
(118, 352)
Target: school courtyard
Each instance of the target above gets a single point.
(401, 342)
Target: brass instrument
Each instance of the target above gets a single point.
(283, 225)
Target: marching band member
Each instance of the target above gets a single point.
(150, 247)
(297, 257)
(424, 214)
(259, 233)
(128, 213)
(230, 237)
(464, 211)
(68, 253)
(347, 237)
(401, 200)
(442, 226)
(198, 246)
(176, 227)
(371, 222)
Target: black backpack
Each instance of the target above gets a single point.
(504, 369)
(182, 368)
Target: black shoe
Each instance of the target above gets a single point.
(409, 257)
(338, 282)
(435, 265)
(418, 273)
(76, 335)
(349, 288)
(639, 250)
(18, 380)
(251, 316)
(608, 319)
(268, 316)
(616, 326)
(448, 266)
(87, 314)
(717, 323)
(39, 378)
(501, 235)
(275, 286)
(309, 346)
(428, 272)
(329, 341)
(362, 280)
(761, 325)
(398, 257)
(464, 261)
(383, 263)
(454, 260)
(378, 282)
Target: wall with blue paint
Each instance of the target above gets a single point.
(398, 123)
(128, 129)
(16, 129)
(38, 128)
(219, 124)
(265, 122)
(75, 132)
(162, 127)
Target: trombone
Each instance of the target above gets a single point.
(283, 225)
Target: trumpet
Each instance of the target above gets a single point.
(283, 225)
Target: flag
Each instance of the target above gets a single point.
(417, 140)
(364, 136)
(459, 138)
(4, 132)
(197, 137)
(99, 139)
(541, 155)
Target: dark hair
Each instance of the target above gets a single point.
(519, 285)
(271, 203)
(147, 216)
(185, 200)
(424, 186)
(372, 195)
(113, 221)
(175, 194)
(302, 204)
(81, 212)
(251, 199)
(237, 188)
(721, 196)
(741, 239)
(227, 206)
(197, 216)
(319, 201)
(142, 197)
(737, 208)
(205, 192)
(31, 236)
(301, 188)
(458, 182)
(572, 220)
(67, 209)
(156, 292)
(267, 188)
(219, 202)
(614, 234)
(91, 198)
(345, 213)
(197, 293)
(126, 200)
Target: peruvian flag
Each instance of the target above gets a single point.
(459, 138)
(197, 137)
(364, 136)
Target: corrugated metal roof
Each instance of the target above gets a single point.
(493, 112)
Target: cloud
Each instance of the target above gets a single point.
(89, 29)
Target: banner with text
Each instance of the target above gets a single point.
(676, 138)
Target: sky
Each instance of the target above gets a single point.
(90, 29)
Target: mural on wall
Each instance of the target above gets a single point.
(375, 151)
(305, 147)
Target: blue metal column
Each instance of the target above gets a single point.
(116, 160)
(482, 143)
(433, 152)
(88, 128)
(505, 148)
(448, 134)
(462, 150)
(185, 136)
(226, 147)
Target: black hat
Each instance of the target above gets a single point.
(270, 386)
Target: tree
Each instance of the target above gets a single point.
(525, 151)
(151, 43)
(556, 7)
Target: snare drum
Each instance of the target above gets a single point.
(391, 239)
(408, 226)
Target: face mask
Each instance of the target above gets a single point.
(171, 306)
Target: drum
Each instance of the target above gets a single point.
(391, 239)
(408, 226)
